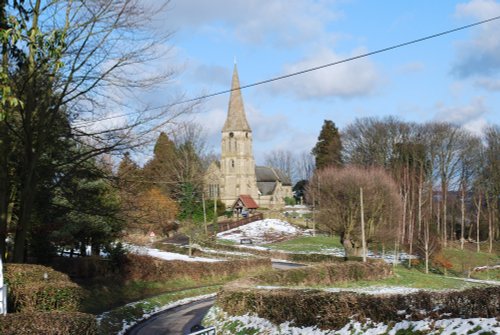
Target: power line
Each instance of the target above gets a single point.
(266, 81)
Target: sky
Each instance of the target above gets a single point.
(452, 78)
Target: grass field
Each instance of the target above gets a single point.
(307, 244)
(415, 279)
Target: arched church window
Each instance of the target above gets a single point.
(232, 163)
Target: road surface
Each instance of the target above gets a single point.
(179, 320)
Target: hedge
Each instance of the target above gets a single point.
(48, 323)
(29, 291)
(333, 310)
(287, 256)
(325, 274)
(140, 267)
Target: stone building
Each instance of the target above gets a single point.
(236, 174)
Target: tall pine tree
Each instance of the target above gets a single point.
(328, 149)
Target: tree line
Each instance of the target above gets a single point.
(446, 179)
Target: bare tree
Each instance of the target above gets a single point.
(304, 166)
(339, 204)
(75, 61)
(282, 160)
(449, 142)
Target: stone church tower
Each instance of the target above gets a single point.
(237, 163)
(236, 175)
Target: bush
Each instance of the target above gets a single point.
(333, 310)
(139, 267)
(48, 323)
(326, 274)
(86, 267)
(30, 291)
(293, 257)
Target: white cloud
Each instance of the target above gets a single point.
(472, 116)
(356, 78)
(481, 9)
(488, 83)
(280, 22)
(481, 54)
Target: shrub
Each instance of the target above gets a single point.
(40, 288)
(294, 257)
(326, 273)
(139, 267)
(332, 310)
(48, 323)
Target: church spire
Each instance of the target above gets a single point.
(236, 118)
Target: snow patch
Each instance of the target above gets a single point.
(219, 318)
(169, 256)
(261, 231)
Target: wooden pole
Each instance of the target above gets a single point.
(204, 212)
(363, 238)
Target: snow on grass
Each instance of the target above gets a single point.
(248, 323)
(271, 230)
(169, 256)
(373, 290)
(261, 231)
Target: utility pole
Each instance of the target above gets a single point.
(363, 238)
(204, 212)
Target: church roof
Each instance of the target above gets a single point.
(236, 118)
(266, 187)
(267, 178)
(269, 174)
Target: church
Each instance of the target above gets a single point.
(236, 177)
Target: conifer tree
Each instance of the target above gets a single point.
(328, 149)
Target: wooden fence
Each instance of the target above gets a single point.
(228, 224)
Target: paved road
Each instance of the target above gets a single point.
(179, 320)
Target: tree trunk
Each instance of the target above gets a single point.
(478, 216)
(30, 154)
(4, 149)
(462, 220)
(444, 191)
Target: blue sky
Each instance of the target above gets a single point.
(453, 78)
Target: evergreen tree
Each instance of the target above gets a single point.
(161, 168)
(328, 149)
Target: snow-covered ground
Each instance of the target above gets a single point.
(374, 290)
(216, 317)
(270, 230)
(169, 256)
(261, 231)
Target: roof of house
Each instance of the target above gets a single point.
(247, 201)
